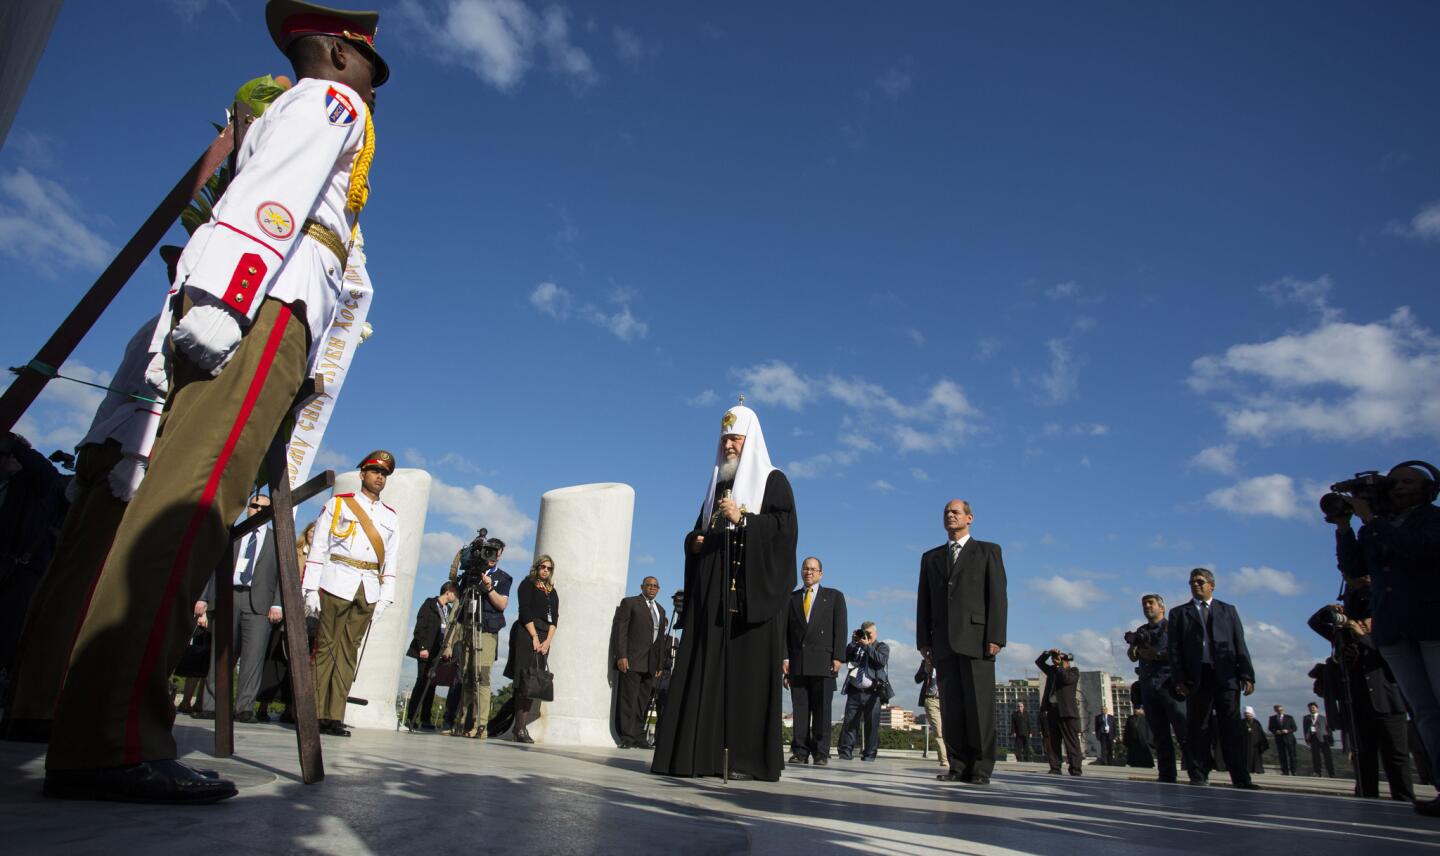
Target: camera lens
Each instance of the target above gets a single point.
(1334, 505)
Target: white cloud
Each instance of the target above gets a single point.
(40, 224)
(61, 415)
(1313, 294)
(707, 398)
(1217, 459)
(1060, 381)
(816, 466)
(1016, 660)
(1281, 666)
(1264, 579)
(501, 40)
(1274, 495)
(1067, 593)
(858, 442)
(916, 337)
(439, 548)
(882, 486)
(628, 46)
(479, 505)
(557, 302)
(776, 382)
(986, 347)
(1063, 290)
(919, 474)
(1096, 650)
(644, 559)
(1425, 225)
(1338, 381)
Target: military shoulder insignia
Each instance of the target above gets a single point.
(727, 421)
(275, 220)
(338, 108)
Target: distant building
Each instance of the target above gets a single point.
(1006, 697)
(896, 717)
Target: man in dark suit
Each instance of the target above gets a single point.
(639, 640)
(960, 615)
(1319, 738)
(432, 620)
(815, 627)
(1149, 648)
(1211, 668)
(1060, 709)
(1020, 731)
(256, 583)
(1105, 727)
(1282, 727)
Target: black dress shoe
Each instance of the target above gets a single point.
(627, 744)
(821, 761)
(1428, 808)
(169, 782)
(203, 714)
(1196, 779)
(741, 777)
(245, 716)
(1076, 772)
(1054, 772)
(951, 776)
(26, 730)
(798, 759)
(333, 728)
(1247, 786)
(977, 780)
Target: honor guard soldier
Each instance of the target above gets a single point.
(350, 582)
(256, 289)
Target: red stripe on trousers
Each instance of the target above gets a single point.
(159, 627)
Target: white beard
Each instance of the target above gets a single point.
(728, 469)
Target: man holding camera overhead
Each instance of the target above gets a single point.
(1399, 548)
(485, 586)
(1060, 709)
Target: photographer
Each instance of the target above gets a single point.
(1164, 711)
(1360, 688)
(1398, 547)
(866, 688)
(1060, 709)
(480, 616)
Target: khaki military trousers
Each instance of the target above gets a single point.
(116, 706)
(937, 727)
(65, 590)
(337, 649)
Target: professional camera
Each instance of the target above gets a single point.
(858, 635)
(1369, 485)
(480, 554)
(1334, 616)
(1063, 656)
(1141, 637)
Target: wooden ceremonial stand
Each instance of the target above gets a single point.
(302, 678)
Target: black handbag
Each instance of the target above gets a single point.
(536, 682)
(195, 662)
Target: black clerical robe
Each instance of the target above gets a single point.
(704, 692)
(1255, 746)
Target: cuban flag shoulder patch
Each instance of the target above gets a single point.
(339, 110)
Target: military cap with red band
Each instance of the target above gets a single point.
(289, 20)
(379, 458)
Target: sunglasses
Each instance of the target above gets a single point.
(259, 505)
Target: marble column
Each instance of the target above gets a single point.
(378, 680)
(586, 531)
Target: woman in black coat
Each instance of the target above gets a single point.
(531, 636)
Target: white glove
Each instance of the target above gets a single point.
(157, 376)
(208, 335)
(379, 610)
(312, 602)
(125, 477)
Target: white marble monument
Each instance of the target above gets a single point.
(586, 530)
(378, 679)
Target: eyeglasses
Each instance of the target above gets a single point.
(259, 505)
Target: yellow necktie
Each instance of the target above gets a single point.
(808, 590)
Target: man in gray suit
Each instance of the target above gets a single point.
(960, 615)
(815, 627)
(257, 606)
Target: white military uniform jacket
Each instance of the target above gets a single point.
(122, 418)
(339, 533)
(294, 164)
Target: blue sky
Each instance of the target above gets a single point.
(1137, 282)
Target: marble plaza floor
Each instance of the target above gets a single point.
(392, 793)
